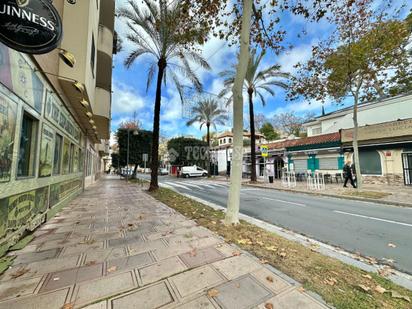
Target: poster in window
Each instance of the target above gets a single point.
(25, 82)
(8, 114)
(66, 156)
(46, 152)
(5, 73)
(3, 216)
(76, 159)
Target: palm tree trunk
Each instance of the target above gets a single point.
(233, 202)
(252, 136)
(154, 185)
(208, 149)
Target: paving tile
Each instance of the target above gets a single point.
(71, 276)
(242, 293)
(146, 246)
(205, 242)
(167, 252)
(236, 266)
(50, 300)
(81, 248)
(131, 262)
(101, 305)
(18, 288)
(155, 296)
(125, 241)
(276, 284)
(196, 280)
(294, 300)
(160, 270)
(101, 255)
(31, 257)
(199, 303)
(201, 257)
(91, 291)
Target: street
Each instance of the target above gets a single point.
(355, 226)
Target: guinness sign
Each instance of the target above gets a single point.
(30, 26)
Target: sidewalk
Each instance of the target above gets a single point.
(396, 195)
(117, 247)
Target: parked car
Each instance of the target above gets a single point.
(192, 171)
(163, 171)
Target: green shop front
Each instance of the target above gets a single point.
(41, 148)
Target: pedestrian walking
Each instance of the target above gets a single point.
(348, 174)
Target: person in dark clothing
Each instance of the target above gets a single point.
(347, 173)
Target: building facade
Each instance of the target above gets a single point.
(54, 118)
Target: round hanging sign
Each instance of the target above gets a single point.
(30, 26)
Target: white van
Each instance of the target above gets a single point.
(192, 171)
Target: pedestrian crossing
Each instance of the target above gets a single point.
(191, 185)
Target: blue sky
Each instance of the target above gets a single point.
(129, 85)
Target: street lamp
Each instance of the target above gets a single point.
(135, 132)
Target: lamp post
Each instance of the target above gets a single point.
(135, 132)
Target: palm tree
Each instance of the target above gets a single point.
(255, 83)
(208, 113)
(158, 30)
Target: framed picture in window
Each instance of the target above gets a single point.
(46, 152)
(8, 115)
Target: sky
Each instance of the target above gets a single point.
(129, 85)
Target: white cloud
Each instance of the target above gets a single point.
(298, 54)
(125, 99)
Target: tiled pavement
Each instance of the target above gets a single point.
(115, 247)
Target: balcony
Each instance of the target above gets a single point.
(104, 58)
(104, 148)
(102, 114)
(106, 18)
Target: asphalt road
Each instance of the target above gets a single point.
(362, 227)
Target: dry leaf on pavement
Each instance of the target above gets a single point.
(193, 252)
(380, 289)
(301, 289)
(364, 287)
(263, 261)
(112, 269)
(236, 253)
(213, 293)
(268, 306)
(20, 272)
(269, 278)
(68, 306)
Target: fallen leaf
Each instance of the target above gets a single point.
(397, 295)
(237, 285)
(68, 306)
(236, 253)
(367, 276)
(385, 271)
(90, 263)
(272, 248)
(330, 281)
(263, 261)
(268, 306)
(301, 289)
(364, 287)
(193, 252)
(244, 242)
(213, 293)
(282, 254)
(112, 269)
(379, 289)
(391, 245)
(260, 243)
(20, 272)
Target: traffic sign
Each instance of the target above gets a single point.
(264, 150)
(145, 157)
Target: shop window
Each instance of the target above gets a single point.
(46, 152)
(71, 162)
(370, 162)
(57, 154)
(66, 157)
(27, 149)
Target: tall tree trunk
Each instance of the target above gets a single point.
(154, 185)
(208, 148)
(233, 202)
(252, 136)
(355, 143)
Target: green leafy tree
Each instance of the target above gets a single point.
(269, 132)
(207, 113)
(368, 46)
(257, 83)
(186, 151)
(139, 144)
(162, 31)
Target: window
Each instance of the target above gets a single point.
(316, 131)
(93, 55)
(370, 162)
(57, 154)
(224, 140)
(66, 157)
(230, 140)
(71, 162)
(27, 150)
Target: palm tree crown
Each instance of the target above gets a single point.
(208, 113)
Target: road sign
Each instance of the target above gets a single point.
(264, 150)
(145, 157)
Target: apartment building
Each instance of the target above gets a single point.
(55, 112)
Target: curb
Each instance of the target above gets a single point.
(354, 198)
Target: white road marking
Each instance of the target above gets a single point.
(373, 218)
(177, 185)
(192, 185)
(282, 201)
